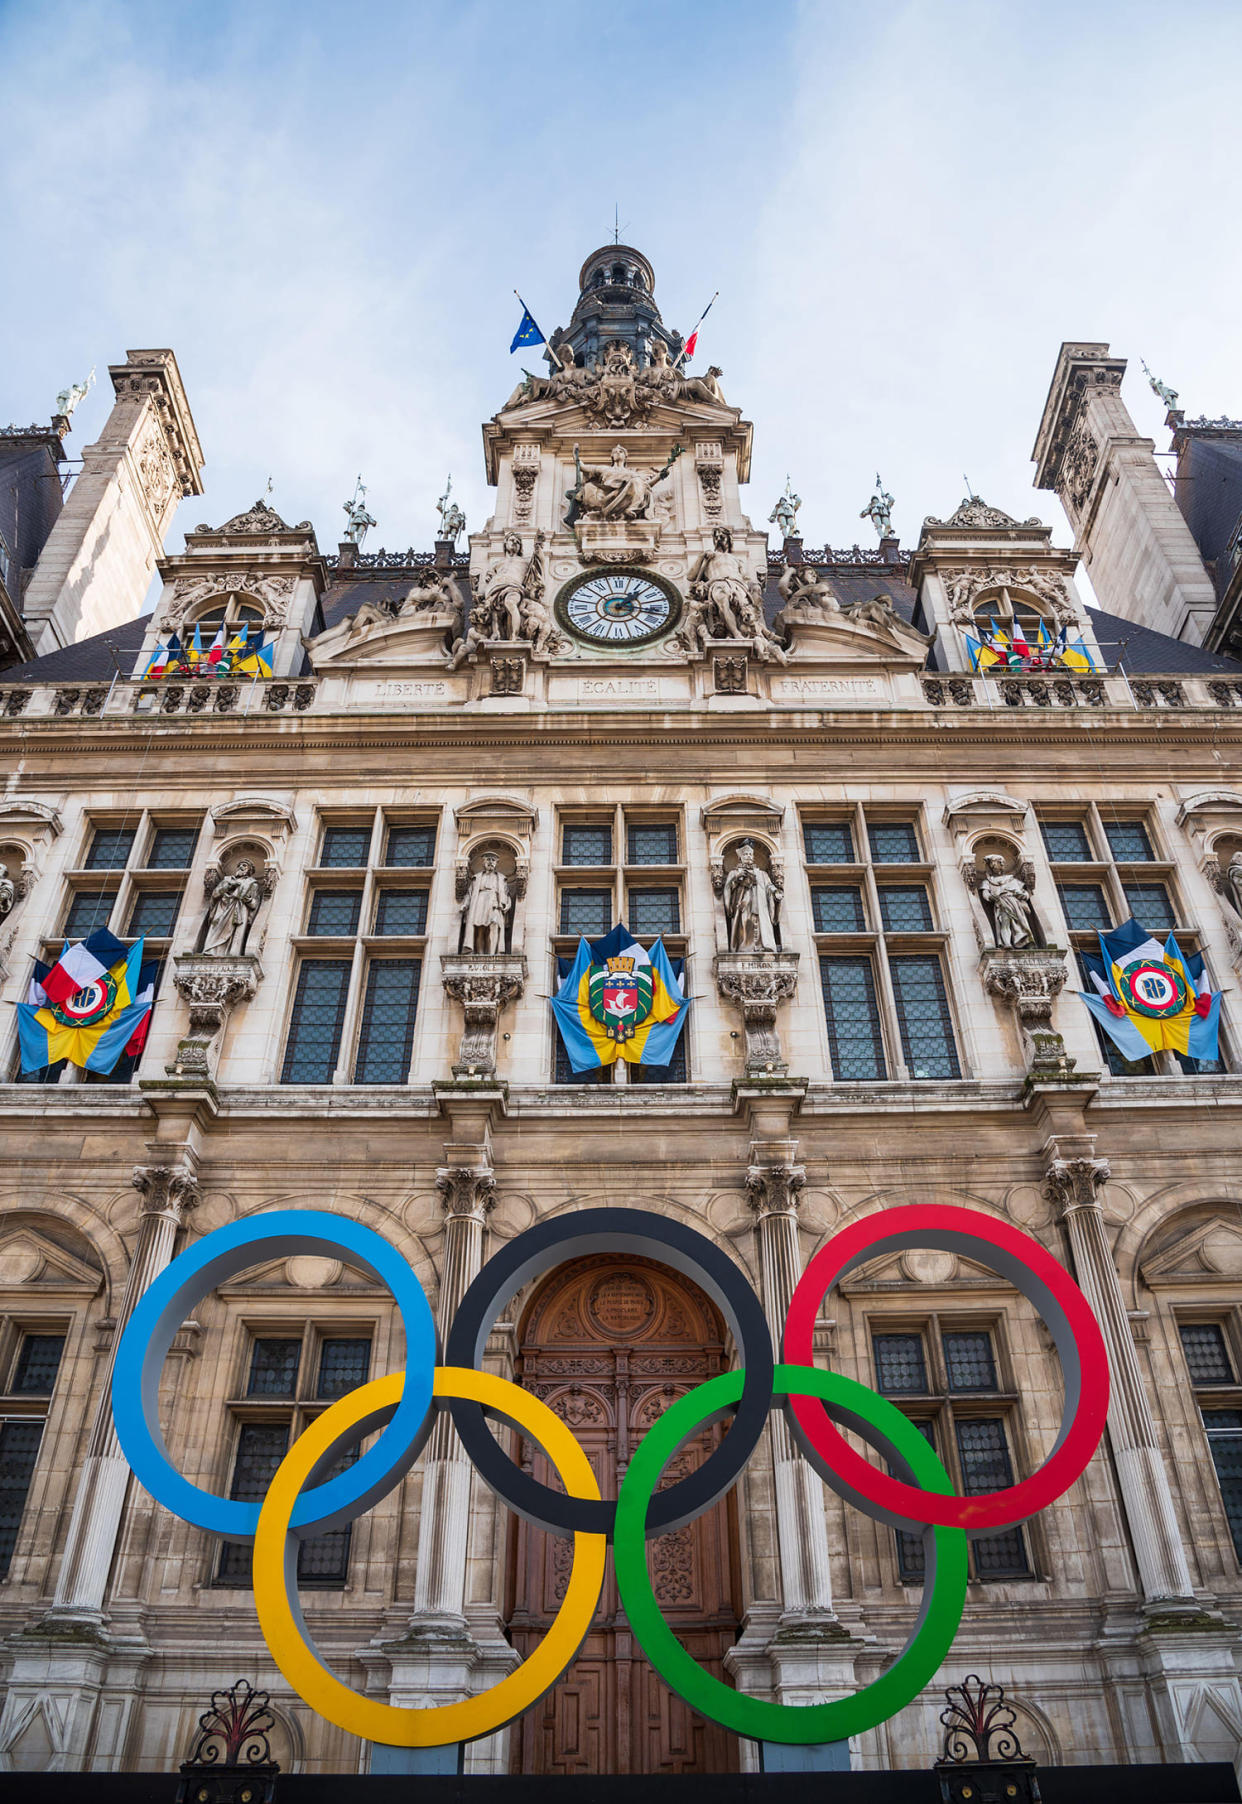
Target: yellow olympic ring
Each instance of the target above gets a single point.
(275, 1568)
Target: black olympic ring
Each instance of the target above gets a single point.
(633, 1231)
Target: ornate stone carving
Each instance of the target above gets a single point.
(170, 1190)
(259, 521)
(213, 985)
(752, 902)
(156, 471)
(964, 587)
(274, 591)
(233, 902)
(726, 602)
(709, 462)
(486, 907)
(468, 1190)
(525, 475)
(1076, 1183)
(1078, 469)
(729, 674)
(974, 511)
(508, 602)
(483, 983)
(758, 982)
(774, 1189)
(508, 676)
(1029, 979)
(807, 595)
(432, 592)
(1006, 899)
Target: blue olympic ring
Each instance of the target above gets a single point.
(182, 1286)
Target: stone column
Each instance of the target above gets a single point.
(1074, 1184)
(168, 1194)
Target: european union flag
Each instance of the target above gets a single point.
(527, 333)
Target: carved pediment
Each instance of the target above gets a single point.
(28, 1258)
(1206, 1253)
(375, 641)
(303, 1272)
(848, 640)
(920, 1268)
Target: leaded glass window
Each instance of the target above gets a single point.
(38, 1362)
(1224, 1433)
(1128, 841)
(172, 848)
(586, 911)
(1085, 907)
(88, 909)
(345, 848)
(838, 909)
(900, 1367)
(912, 1549)
(410, 847)
(564, 1073)
(335, 911)
(316, 1022)
(654, 911)
(893, 842)
(19, 1450)
(647, 844)
(386, 1036)
(672, 1073)
(968, 1362)
(1207, 1354)
(582, 843)
(904, 908)
(154, 912)
(343, 1365)
(828, 842)
(110, 848)
(401, 911)
(1150, 905)
(854, 1037)
(1067, 842)
(274, 1368)
(986, 1466)
(260, 1448)
(923, 1016)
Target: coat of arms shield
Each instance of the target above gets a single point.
(620, 994)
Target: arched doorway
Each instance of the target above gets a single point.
(608, 1343)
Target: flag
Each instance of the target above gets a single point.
(99, 1019)
(982, 655)
(1077, 657)
(215, 651)
(618, 1001)
(691, 344)
(1018, 640)
(257, 661)
(1150, 997)
(688, 349)
(161, 656)
(81, 964)
(527, 333)
(194, 652)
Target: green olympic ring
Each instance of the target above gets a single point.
(878, 1421)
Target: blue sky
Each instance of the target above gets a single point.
(324, 210)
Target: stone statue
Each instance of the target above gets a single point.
(1233, 881)
(874, 610)
(729, 603)
(8, 892)
(807, 596)
(68, 398)
(752, 903)
(452, 520)
(707, 387)
(785, 513)
(359, 518)
(507, 595)
(1167, 395)
(616, 490)
(485, 909)
(434, 592)
(1008, 901)
(879, 510)
(231, 911)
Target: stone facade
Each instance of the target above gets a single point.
(888, 1049)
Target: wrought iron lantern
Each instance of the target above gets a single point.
(983, 1762)
(231, 1761)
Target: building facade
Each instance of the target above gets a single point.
(614, 695)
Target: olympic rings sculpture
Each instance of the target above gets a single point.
(915, 1495)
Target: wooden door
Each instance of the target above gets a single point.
(609, 1343)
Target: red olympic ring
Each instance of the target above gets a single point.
(1045, 1284)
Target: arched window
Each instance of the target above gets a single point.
(1009, 607)
(231, 611)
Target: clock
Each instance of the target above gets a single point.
(620, 608)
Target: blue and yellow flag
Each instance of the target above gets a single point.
(93, 1026)
(1151, 997)
(619, 1001)
(528, 332)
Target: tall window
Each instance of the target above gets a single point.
(289, 1380)
(946, 1378)
(881, 969)
(626, 866)
(1107, 867)
(1210, 1364)
(33, 1365)
(361, 953)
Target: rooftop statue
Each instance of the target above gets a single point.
(359, 519)
(785, 513)
(807, 596)
(68, 398)
(879, 510)
(1167, 395)
(616, 490)
(452, 520)
(433, 592)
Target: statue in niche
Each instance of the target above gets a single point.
(8, 892)
(1233, 880)
(879, 510)
(752, 903)
(807, 596)
(233, 905)
(1006, 896)
(616, 490)
(485, 911)
(785, 513)
(726, 603)
(452, 520)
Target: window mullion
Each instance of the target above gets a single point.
(349, 1026)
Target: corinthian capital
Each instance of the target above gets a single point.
(166, 1190)
(466, 1190)
(1076, 1183)
(773, 1189)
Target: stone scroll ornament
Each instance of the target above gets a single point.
(914, 1494)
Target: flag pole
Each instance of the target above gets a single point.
(698, 322)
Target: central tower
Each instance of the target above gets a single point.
(616, 303)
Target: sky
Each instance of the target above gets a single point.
(906, 207)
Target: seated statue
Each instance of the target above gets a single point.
(807, 596)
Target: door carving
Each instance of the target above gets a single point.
(609, 1343)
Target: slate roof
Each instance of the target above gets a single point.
(1144, 652)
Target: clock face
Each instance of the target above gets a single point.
(621, 608)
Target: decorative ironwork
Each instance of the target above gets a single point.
(978, 1718)
(398, 560)
(231, 1761)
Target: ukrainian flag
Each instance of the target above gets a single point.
(654, 1041)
